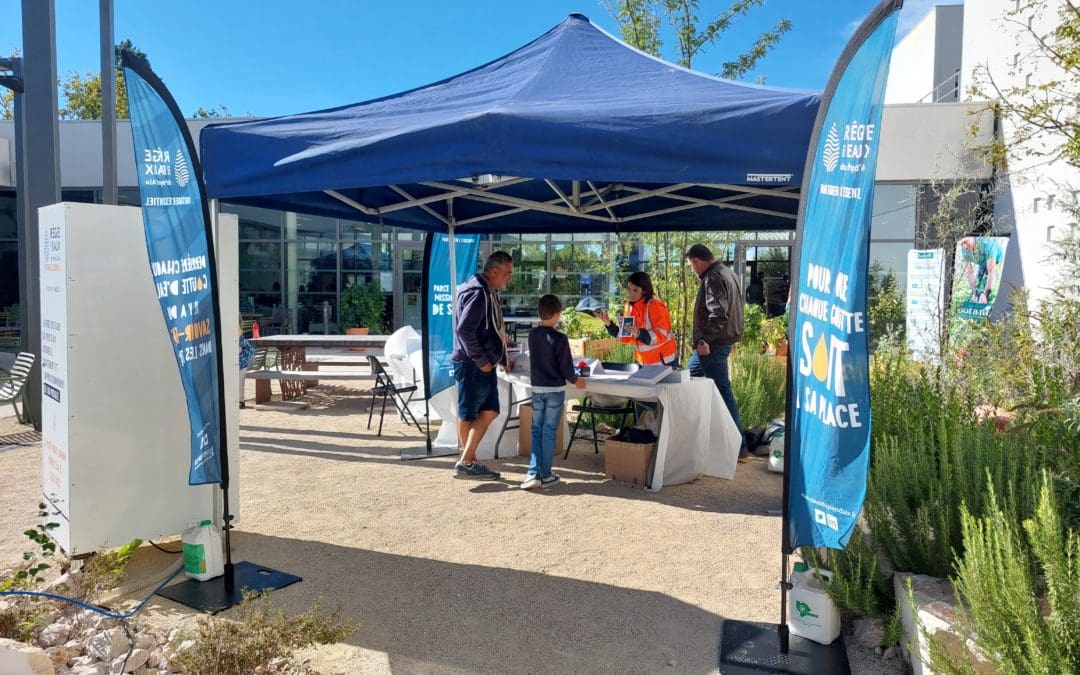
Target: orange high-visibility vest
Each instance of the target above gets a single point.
(653, 317)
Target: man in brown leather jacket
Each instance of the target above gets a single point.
(718, 325)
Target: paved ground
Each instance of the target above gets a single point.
(453, 576)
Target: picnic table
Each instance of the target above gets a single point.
(293, 360)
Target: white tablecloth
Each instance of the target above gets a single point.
(697, 434)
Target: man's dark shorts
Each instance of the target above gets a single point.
(476, 391)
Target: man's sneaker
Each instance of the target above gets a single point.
(475, 471)
(548, 481)
(531, 482)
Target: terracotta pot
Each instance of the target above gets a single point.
(357, 331)
(781, 347)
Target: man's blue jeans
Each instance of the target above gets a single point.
(547, 415)
(714, 365)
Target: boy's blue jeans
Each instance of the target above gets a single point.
(546, 416)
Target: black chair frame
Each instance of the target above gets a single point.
(384, 386)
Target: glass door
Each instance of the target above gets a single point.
(408, 283)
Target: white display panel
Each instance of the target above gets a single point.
(925, 302)
(115, 436)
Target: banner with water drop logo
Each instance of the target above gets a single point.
(829, 398)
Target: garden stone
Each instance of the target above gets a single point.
(136, 660)
(889, 653)
(145, 641)
(934, 615)
(109, 644)
(184, 646)
(54, 634)
(17, 658)
(869, 632)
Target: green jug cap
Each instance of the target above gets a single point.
(801, 567)
(204, 523)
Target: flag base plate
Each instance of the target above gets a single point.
(751, 648)
(211, 596)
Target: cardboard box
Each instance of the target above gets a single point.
(627, 462)
(525, 431)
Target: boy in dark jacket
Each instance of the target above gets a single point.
(552, 367)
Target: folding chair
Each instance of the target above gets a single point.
(385, 387)
(13, 387)
(595, 407)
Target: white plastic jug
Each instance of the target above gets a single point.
(811, 612)
(776, 452)
(202, 548)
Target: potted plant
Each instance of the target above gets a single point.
(362, 307)
(774, 332)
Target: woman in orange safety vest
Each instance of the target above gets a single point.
(651, 332)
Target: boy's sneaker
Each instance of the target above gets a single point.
(531, 482)
(548, 481)
(475, 471)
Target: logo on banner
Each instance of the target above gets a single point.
(849, 156)
(180, 169)
(831, 156)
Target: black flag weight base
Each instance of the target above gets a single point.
(216, 595)
(752, 648)
(429, 449)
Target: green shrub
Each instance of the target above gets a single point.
(752, 338)
(857, 585)
(916, 490)
(759, 383)
(1020, 589)
(581, 325)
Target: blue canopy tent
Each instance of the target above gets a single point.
(574, 132)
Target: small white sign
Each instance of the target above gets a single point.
(925, 302)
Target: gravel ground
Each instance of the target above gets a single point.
(451, 576)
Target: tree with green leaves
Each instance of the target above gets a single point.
(640, 21)
(81, 92)
(1042, 112)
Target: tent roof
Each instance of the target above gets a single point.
(575, 131)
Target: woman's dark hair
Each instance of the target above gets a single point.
(643, 281)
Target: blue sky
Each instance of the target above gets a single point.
(265, 57)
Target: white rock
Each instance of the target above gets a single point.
(129, 664)
(145, 641)
(155, 658)
(82, 661)
(75, 646)
(94, 669)
(17, 658)
(107, 645)
(889, 653)
(54, 634)
(184, 646)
